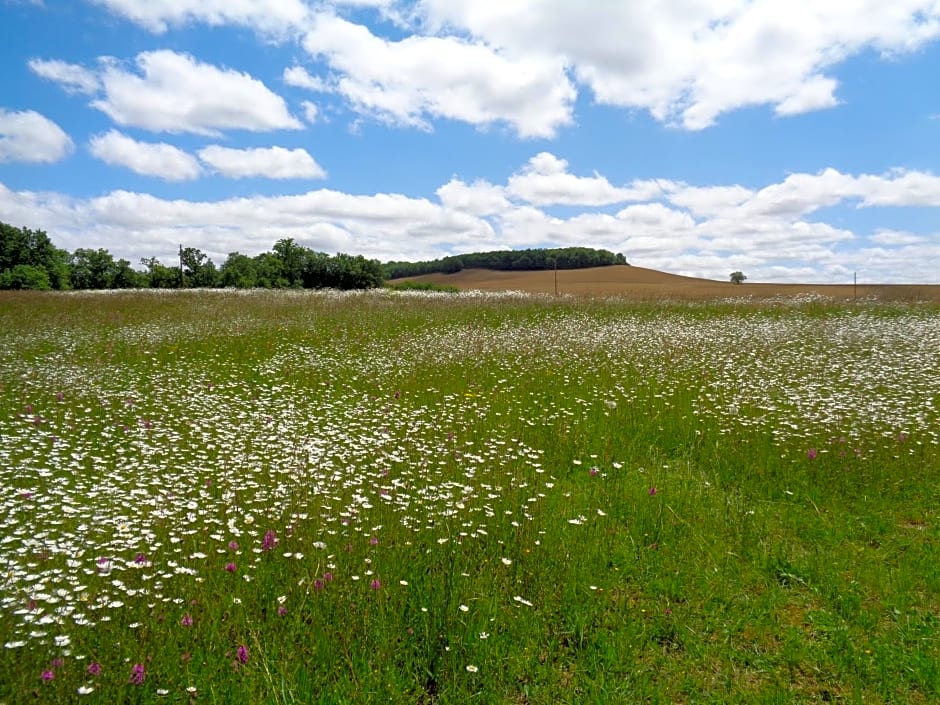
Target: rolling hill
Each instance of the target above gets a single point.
(640, 283)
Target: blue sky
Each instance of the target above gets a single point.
(795, 141)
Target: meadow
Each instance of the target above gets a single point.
(419, 497)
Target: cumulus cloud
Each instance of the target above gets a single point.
(522, 63)
(147, 158)
(689, 62)
(896, 237)
(72, 77)
(545, 181)
(700, 230)
(269, 162)
(411, 81)
(27, 136)
(133, 225)
(299, 76)
(899, 188)
(268, 16)
(174, 92)
(706, 201)
(480, 198)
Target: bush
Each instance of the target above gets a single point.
(25, 276)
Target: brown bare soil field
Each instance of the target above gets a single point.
(640, 283)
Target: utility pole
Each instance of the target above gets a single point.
(556, 276)
(181, 265)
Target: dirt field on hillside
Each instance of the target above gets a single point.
(640, 283)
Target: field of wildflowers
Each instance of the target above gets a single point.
(415, 497)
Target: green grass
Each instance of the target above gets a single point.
(470, 498)
(421, 286)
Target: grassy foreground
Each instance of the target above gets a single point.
(300, 497)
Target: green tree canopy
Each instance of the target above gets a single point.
(198, 269)
(31, 248)
(518, 260)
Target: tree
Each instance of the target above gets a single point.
(292, 257)
(238, 271)
(269, 271)
(198, 269)
(126, 277)
(93, 269)
(25, 276)
(737, 277)
(32, 248)
(160, 276)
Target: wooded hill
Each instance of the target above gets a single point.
(508, 260)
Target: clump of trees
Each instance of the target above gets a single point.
(537, 259)
(737, 277)
(29, 260)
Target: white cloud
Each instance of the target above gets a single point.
(311, 111)
(545, 181)
(72, 77)
(815, 93)
(522, 63)
(896, 237)
(706, 201)
(267, 16)
(800, 194)
(689, 62)
(299, 77)
(708, 230)
(27, 136)
(161, 160)
(409, 81)
(480, 198)
(176, 93)
(899, 188)
(135, 225)
(269, 162)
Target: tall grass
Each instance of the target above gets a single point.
(298, 497)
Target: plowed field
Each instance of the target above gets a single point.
(641, 283)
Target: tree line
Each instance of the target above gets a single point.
(560, 258)
(29, 260)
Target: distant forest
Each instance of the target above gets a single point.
(29, 260)
(508, 260)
